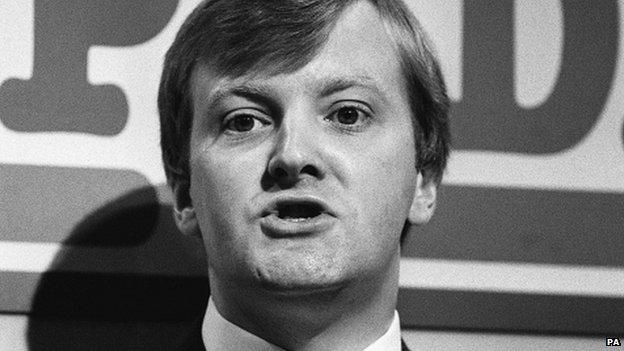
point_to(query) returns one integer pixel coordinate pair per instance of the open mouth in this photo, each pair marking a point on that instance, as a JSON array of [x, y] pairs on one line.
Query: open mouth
[[296, 217], [298, 211]]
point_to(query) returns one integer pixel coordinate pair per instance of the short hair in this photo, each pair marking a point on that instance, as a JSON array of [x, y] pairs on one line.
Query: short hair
[[239, 37]]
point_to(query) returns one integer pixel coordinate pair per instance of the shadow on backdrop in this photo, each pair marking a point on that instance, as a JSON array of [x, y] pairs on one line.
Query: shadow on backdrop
[[102, 292]]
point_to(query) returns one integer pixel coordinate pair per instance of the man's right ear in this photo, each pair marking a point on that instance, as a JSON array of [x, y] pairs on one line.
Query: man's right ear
[[183, 211]]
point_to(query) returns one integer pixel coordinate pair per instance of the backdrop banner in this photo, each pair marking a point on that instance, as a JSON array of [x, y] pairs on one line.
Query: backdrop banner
[[528, 231]]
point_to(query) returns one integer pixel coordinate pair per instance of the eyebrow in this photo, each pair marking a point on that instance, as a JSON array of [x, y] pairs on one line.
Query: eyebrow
[[262, 93], [337, 84], [254, 92], [251, 91]]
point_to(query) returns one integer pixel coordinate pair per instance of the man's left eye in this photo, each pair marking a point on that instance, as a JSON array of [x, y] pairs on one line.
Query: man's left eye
[[349, 116]]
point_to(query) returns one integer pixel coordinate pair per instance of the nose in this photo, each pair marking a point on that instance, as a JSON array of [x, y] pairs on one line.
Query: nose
[[296, 152]]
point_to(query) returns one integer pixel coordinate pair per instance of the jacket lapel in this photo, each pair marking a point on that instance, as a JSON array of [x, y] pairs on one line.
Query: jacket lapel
[[194, 341]]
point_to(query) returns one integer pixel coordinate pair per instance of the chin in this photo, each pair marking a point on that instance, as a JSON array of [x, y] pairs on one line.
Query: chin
[[302, 288], [294, 279]]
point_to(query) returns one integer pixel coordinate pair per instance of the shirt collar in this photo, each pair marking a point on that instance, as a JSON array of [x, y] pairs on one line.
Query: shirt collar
[[220, 334], [391, 340]]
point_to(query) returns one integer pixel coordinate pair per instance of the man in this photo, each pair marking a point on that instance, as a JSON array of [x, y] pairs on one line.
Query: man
[[301, 138]]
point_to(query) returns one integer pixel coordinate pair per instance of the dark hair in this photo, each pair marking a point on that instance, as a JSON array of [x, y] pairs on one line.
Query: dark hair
[[237, 37]]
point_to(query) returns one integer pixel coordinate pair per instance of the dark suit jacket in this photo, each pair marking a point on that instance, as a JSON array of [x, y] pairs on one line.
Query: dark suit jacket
[[194, 341]]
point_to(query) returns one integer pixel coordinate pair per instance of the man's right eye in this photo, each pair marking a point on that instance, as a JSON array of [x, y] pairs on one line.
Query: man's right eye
[[244, 123]]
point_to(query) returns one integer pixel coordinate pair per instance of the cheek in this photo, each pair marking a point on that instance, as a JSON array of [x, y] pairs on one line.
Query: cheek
[[386, 182], [219, 191], [219, 179], [389, 167]]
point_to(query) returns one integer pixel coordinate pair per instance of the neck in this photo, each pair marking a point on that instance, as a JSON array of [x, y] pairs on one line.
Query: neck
[[346, 318]]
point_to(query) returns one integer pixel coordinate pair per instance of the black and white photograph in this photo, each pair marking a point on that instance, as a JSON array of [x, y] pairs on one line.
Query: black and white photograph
[[311, 175]]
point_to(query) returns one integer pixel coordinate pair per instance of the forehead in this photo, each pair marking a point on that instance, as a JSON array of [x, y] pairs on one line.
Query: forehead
[[358, 49], [359, 41]]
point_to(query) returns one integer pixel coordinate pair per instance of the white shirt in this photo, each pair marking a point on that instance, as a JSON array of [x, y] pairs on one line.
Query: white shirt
[[218, 334]]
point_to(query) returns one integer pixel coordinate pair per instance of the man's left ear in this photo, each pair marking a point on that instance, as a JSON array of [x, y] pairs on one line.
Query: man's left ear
[[424, 202]]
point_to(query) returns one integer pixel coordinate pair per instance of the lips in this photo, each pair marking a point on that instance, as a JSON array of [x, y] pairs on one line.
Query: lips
[[291, 216]]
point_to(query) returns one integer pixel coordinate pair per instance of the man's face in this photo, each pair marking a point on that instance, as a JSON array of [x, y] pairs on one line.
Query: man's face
[[303, 181]]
